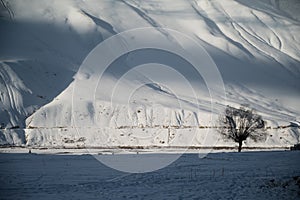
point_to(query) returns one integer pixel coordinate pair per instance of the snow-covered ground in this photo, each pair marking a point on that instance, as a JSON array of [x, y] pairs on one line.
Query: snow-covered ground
[[255, 46], [248, 175]]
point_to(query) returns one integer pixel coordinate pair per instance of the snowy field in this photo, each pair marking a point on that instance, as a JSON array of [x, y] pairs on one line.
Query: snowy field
[[134, 79], [247, 175]]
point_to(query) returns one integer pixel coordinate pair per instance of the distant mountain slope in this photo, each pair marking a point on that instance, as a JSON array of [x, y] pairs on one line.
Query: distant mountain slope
[[256, 47]]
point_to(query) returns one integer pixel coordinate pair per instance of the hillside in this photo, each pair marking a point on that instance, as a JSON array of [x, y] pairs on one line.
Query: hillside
[[51, 97]]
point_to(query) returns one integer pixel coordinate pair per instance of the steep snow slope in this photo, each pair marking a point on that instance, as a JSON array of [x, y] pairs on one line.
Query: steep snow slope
[[254, 45]]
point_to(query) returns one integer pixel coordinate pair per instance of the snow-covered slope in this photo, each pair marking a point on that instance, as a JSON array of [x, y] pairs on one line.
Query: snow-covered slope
[[254, 45]]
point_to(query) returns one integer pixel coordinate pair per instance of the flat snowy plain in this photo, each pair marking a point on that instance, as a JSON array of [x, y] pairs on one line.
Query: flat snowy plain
[[246, 175]]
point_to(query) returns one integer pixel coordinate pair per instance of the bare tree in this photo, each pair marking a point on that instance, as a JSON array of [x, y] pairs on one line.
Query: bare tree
[[238, 124]]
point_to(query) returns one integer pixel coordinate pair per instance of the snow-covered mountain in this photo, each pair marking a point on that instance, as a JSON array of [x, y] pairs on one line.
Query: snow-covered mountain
[[255, 46]]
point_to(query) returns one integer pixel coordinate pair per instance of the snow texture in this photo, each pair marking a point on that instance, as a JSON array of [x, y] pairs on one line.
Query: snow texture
[[249, 175], [255, 46]]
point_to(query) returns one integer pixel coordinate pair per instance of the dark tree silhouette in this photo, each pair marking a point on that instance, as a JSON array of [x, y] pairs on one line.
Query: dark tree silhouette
[[238, 124]]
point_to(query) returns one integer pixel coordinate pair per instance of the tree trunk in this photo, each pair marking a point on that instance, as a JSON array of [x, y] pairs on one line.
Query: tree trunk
[[240, 145]]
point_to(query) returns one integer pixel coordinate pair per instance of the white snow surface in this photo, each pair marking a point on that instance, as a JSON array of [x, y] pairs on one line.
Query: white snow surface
[[255, 46], [248, 175]]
